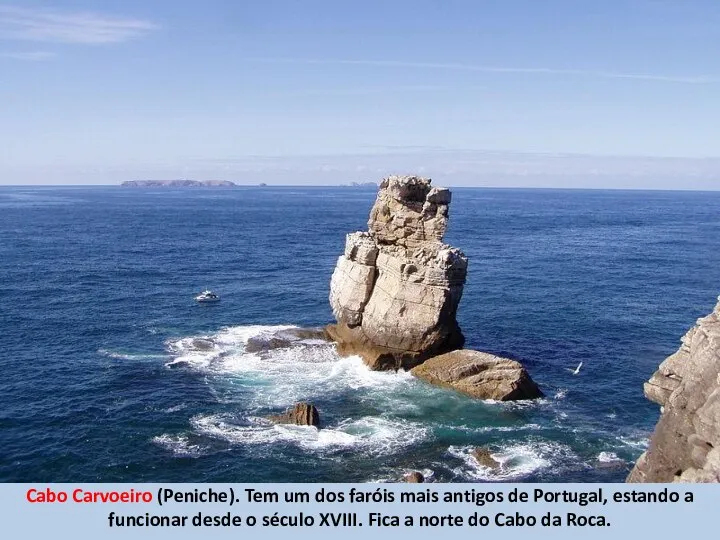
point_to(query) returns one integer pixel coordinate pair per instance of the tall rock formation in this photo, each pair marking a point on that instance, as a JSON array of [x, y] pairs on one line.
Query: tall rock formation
[[685, 446], [396, 289]]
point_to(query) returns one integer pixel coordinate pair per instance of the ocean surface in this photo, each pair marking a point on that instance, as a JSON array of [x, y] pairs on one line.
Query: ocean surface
[[110, 371]]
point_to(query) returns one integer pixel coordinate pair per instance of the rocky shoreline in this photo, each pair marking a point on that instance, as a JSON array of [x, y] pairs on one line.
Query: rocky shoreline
[[685, 446], [395, 292]]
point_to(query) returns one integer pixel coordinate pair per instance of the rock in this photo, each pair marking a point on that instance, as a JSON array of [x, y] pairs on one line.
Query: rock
[[685, 446], [266, 343], [480, 375], [396, 288], [303, 334], [202, 344], [302, 414], [439, 195], [414, 478], [284, 338], [484, 458], [403, 214]]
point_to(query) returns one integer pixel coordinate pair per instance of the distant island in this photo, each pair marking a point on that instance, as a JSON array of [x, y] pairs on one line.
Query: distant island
[[178, 183], [363, 184]]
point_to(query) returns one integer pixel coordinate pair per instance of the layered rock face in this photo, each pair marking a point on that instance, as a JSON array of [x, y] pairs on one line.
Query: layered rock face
[[685, 446], [302, 414], [396, 289]]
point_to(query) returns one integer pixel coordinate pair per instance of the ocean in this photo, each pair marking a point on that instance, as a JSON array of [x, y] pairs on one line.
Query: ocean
[[112, 372]]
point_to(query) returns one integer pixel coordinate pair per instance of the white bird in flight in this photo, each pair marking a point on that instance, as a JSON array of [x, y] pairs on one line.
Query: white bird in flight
[[577, 369]]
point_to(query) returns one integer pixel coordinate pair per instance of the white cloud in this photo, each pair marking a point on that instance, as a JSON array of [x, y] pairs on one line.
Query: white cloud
[[685, 79], [45, 25]]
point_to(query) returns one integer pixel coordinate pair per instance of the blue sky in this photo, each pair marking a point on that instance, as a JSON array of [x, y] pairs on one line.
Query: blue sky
[[574, 93]]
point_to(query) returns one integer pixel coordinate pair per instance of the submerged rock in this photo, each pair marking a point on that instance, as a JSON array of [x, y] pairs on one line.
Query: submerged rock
[[266, 343], [302, 414], [685, 446], [414, 477], [284, 338], [480, 375], [202, 344], [484, 458], [304, 334], [396, 289]]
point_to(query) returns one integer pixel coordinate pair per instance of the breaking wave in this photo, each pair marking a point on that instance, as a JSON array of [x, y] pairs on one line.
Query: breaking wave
[[608, 457], [179, 445], [254, 371], [280, 377], [516, 461], [274, 379], [118, 355], [371, 435]]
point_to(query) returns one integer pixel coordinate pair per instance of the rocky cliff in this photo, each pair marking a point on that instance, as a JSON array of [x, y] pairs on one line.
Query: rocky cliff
[[685, 445], [396, 289]]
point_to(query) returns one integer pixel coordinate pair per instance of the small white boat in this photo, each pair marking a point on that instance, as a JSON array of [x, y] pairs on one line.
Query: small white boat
[[207, 296]]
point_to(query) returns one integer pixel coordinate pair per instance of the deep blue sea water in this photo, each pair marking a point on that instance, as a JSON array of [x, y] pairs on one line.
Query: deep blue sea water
[[102, 377]]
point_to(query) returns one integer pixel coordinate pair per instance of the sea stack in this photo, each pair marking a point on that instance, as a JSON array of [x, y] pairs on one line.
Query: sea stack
[[396, 289], [685, 446]]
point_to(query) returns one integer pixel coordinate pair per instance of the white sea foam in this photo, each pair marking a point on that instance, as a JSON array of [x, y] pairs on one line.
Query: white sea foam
[[179, 445], [175, 408], [281, 377], [117, 355], [639, 443], [517, 460], [198, 351], [608, 457], [492, 429], [275, 379], [523, 404], [372, 435], [561, 394]]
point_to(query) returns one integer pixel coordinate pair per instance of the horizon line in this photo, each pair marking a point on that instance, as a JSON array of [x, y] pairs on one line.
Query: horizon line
[[360, 186]]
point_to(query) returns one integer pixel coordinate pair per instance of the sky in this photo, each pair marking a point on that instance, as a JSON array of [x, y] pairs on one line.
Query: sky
[[505, 93]]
